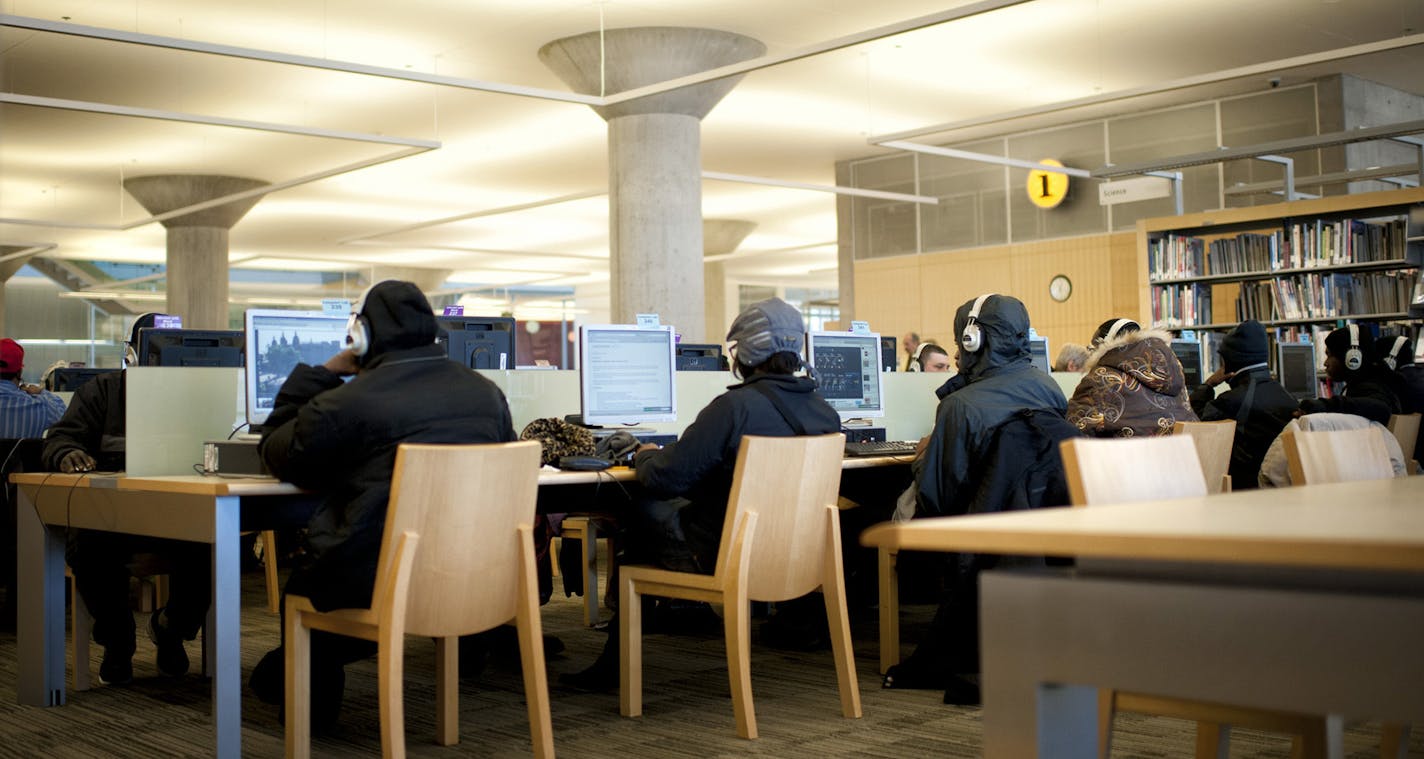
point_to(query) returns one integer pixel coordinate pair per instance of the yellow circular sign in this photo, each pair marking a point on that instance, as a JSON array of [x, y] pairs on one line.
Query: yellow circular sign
[[1046, 189]]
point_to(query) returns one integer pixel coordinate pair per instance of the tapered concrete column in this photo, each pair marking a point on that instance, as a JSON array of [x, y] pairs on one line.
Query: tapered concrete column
[[654, 158], [197, 242], [719, 238]]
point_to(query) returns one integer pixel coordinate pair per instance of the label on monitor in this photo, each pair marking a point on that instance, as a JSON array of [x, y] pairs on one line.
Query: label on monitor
[[166, 321], [648, 321], [335, 306], [860, 327], [455, 311]]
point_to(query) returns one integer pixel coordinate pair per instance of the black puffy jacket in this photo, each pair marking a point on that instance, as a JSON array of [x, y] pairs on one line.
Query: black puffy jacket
[[1271, 410]]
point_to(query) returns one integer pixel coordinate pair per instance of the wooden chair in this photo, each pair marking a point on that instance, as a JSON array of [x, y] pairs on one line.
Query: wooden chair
[[781, 540], [1336, 456], [457, 557], [583, 529], [1214, 441], [1406, 430], [1105, 471]]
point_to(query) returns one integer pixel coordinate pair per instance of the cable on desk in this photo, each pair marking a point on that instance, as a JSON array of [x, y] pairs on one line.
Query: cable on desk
[[235, 430]]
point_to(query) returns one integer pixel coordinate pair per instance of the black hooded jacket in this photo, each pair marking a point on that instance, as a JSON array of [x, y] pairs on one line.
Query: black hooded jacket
[[1368, 393], [341, 439], [1271, 409]]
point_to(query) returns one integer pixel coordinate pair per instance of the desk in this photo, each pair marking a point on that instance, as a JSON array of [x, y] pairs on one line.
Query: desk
[[203, 509], [1307, 599]]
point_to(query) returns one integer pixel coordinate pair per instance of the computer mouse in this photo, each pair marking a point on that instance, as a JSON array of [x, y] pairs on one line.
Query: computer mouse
[[584, 463]]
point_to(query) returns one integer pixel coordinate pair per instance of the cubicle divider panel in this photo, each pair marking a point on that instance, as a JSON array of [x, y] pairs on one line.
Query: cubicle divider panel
[[172, 411]]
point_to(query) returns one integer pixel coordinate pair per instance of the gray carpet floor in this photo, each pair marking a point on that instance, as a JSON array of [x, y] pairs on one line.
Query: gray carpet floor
[[687, 711]]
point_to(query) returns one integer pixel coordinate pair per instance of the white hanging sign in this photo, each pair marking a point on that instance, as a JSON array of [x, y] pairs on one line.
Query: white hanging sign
[[1133, 190]]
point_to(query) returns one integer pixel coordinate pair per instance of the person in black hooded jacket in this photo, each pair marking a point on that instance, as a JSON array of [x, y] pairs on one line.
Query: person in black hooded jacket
[[340, 438], [1406, 379], [1367, 384], [1259, 404]]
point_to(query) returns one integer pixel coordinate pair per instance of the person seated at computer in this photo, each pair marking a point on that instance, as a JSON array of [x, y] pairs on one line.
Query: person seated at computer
[[1071, 358], [993, 447], [911, 343], [90, 436], [1259, 404], [680, 526], [1350, 358], [1407, 379], [340, 438], [930, 358], [25, 410], [1133, 384]]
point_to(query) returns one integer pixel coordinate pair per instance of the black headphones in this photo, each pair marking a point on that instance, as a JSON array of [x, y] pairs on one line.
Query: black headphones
[[1354, 357], [973, 338], [1392, 360]]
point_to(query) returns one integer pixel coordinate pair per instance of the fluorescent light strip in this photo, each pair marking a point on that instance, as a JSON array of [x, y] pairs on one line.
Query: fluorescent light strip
[[477, 214], [1156, 89], [837, 189], [106, 295], [232, 51], [469, 249], [1330, 139], [1399, 171], [986, 158], [738, 254], [126, 282]]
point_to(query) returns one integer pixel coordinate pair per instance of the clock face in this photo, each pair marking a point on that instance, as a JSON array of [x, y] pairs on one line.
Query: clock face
[[1060, 288]]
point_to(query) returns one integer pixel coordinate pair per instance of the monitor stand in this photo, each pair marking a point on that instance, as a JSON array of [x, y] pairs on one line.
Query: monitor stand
[[845, 423]]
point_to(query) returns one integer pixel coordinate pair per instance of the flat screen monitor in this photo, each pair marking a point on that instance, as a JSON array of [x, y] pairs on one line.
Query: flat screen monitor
[[626, 374], [479, 342], [276, 342], [699, 357], [847, 366], [1189, 352], [67, 379], [1038, 351], [889, 354], [190, 347], [1295, 366]]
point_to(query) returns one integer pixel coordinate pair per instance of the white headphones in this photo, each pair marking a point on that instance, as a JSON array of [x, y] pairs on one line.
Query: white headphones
[[1354, 358], [358, 331], [973, 338], [1116, 328], [915, 359], [1392, 360]]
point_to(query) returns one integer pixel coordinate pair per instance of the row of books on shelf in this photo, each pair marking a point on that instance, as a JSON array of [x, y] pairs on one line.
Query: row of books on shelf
[[1303, 245], [1181, 305], [1313, 296]]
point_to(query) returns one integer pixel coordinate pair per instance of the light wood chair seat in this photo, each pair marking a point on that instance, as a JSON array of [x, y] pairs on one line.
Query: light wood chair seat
[[1406, 430], [457, 557], [1214, 442], [780, 540], [1105, 471]]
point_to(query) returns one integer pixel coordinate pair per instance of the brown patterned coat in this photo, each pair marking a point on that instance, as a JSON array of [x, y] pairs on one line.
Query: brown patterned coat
[[1132, 386]]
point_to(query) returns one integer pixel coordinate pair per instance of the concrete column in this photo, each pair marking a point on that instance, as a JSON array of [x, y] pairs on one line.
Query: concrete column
[[7, 270], [654, 159], [197, 242], [720, 237]]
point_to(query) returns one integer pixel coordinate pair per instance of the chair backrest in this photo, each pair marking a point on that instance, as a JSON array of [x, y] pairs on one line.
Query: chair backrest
[[1406, 430], [1322, 457], [1118, 470], [788, 482], [1214, 441], [466, 502]]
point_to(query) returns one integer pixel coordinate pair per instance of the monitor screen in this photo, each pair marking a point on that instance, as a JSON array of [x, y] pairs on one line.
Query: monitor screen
[[67, 379], [1295, 366], [847, 368], [1038, 351], [1190, 354], [889, 354], [279, 340], [626, 374], [699, 357], [479, 342], [189, 347]]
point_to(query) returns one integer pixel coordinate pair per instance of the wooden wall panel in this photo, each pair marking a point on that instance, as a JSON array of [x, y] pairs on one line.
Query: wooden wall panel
[[947, 280], [887, 295]]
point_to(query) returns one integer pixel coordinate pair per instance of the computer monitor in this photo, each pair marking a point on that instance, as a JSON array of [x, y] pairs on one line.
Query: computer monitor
[[67, 379], [1038, 351], [189, 347], [276, 342], [698, 357], [1295, 368], [479, 342], [1189, 352], [626, 374], [889, 354], [847, 366]]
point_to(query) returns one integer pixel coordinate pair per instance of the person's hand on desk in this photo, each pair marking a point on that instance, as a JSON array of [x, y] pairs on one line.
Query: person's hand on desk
[[76, 461], [32, 389], [343, 364]]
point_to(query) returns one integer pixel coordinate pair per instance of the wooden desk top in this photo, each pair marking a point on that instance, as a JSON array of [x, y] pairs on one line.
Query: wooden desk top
[[1359, 525]]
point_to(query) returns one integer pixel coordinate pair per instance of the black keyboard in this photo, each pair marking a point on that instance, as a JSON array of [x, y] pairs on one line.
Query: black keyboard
[[881, 448]]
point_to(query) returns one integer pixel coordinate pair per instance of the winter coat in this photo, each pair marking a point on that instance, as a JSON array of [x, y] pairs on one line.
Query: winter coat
[[1132, 386], [1270, 409], [1367, 393], [93, 423]]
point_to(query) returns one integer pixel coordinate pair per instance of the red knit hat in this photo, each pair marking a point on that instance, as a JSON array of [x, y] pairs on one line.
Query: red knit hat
[[12, 357]]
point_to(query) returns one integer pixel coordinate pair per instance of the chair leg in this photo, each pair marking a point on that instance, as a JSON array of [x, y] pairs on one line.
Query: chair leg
[[736, 621], [889, 610], [298, 686], [269, 564], [447, 690], [531, 654], [83, 628], [838, 616], [1213, 740], [630, 650], [1394, 740], [590, 574], [390, 669], [1107, 710]]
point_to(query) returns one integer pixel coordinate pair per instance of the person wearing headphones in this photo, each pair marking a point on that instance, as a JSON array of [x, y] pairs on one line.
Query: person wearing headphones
[[90, 437], [929, 357], [1350, 358], [339, 439], [1258, 403], [1407, 379], [1133, 384]]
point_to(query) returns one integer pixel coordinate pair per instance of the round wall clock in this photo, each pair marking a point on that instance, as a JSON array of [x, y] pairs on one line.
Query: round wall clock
[[1060, 288]]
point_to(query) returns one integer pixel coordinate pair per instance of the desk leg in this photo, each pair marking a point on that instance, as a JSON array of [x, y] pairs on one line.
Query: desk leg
[[223, 628], [40, 620]]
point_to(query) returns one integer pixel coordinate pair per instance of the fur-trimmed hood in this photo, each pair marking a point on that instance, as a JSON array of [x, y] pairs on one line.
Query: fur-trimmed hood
[[1146, 356]]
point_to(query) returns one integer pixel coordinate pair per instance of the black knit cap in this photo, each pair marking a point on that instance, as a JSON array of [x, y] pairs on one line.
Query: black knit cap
[[1244, 346]]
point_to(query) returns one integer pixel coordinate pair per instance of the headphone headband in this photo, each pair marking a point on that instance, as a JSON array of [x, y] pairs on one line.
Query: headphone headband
[[1115, 328], [1392, 360], [972, 338], [1354, 357]]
